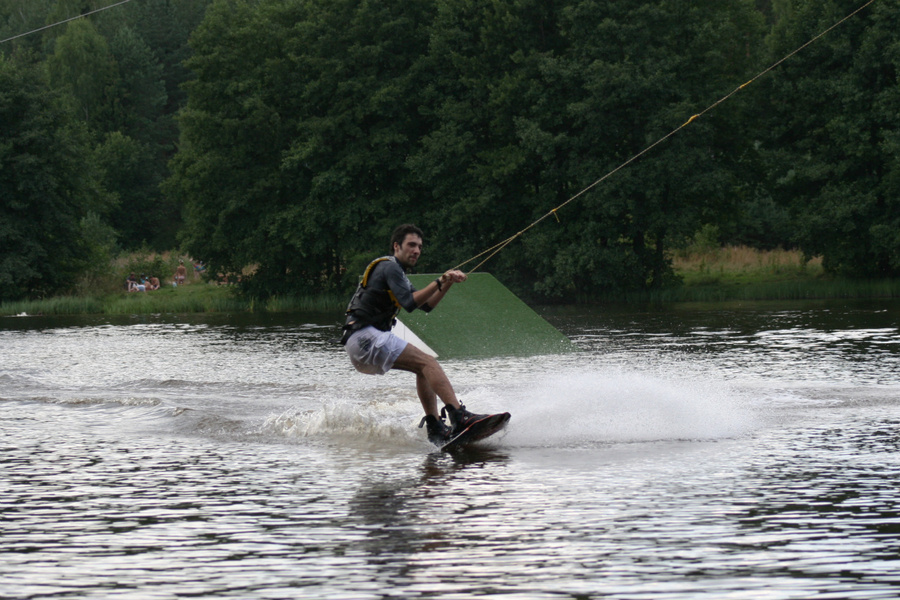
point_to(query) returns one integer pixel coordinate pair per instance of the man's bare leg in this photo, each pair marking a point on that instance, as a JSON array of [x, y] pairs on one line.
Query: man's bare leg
[[430, 379], [426, 396]]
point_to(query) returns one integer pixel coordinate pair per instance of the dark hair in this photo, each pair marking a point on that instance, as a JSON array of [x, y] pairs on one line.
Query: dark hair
[[401, 232]]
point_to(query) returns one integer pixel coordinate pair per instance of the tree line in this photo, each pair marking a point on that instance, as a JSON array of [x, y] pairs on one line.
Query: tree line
[[284, 139], [89, 112]]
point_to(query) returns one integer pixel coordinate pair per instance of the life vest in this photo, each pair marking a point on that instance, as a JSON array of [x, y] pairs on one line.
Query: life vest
[[378, 308]]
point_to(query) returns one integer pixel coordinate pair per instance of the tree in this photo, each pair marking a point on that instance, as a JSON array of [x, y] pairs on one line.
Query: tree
[[833, 126], [164, 26], [160, 28], [297, 140], [18, 17], [134, 170], [544, 98], [46, 186], [83, 66], [140, 91], [295, 136], [311, 130], [138, 214], [496, 146]]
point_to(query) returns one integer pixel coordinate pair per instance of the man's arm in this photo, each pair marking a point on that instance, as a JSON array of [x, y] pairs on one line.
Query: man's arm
[[428, 297]]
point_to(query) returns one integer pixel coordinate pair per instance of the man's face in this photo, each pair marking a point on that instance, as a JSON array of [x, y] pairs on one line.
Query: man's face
[[408, 252]]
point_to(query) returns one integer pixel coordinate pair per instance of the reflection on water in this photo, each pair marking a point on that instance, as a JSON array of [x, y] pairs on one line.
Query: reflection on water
[[742, 453]]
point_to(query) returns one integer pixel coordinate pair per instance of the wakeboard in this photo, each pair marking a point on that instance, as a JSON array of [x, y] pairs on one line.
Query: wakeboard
[[478, 430]]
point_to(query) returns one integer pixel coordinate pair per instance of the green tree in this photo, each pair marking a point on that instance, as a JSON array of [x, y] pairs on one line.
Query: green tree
[[46, 186], [658, 64], [134, 170], [140, 91], [139, 214], [18, 17], [833, 125], [541, 99], [295, 135], [162, 28], [83, 66], [314, 126], [358, 119]]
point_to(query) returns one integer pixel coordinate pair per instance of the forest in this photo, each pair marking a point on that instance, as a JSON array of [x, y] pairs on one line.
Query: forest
[[283, 140]]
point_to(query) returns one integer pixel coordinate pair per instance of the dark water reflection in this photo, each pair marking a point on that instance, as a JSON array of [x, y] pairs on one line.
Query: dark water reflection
[[741, 452]]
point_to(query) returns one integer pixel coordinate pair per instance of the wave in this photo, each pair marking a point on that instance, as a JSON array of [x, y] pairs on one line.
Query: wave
[[91, 401], [376, 422], [610, 406], [565, 409]]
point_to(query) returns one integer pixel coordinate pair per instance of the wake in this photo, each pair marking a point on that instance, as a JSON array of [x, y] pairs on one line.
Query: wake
[[559, 409]]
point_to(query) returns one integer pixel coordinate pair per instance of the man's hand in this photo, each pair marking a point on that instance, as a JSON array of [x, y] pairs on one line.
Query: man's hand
[[453, 276]]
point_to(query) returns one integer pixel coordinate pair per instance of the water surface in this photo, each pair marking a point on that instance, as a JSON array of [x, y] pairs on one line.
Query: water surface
[[741, 451]]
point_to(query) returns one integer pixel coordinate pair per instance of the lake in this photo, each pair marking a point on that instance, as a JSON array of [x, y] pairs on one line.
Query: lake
[[722, 451]]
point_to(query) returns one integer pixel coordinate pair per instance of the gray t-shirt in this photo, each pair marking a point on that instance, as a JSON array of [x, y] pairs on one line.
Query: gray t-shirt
[[389, 275]]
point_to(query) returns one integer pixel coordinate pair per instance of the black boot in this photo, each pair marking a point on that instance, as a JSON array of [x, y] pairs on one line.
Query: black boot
[[459, 418], [438, 432]]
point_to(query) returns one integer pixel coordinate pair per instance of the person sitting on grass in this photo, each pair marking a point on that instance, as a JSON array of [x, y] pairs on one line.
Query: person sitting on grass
[[199, 268], [135, 284]]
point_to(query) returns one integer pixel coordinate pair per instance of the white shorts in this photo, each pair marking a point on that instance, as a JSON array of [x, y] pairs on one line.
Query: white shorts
[[373, 351]]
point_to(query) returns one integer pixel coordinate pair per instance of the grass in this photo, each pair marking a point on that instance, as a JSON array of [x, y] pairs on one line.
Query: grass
[[199, 297], [742, 273], [185, 299], [775, 290], [736, 265], [710, 275]]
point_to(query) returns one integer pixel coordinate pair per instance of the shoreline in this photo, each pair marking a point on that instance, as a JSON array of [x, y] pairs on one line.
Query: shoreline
[[210, 298]]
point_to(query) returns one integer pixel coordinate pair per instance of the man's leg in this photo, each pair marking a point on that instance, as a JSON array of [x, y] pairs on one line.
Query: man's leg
[[430, 379], [426, 396]]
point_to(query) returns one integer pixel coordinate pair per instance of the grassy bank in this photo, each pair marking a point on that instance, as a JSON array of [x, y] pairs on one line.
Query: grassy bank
[[102, 292], [198, 297], [797, 289], [741, 273], [726, 274], [740, 265]]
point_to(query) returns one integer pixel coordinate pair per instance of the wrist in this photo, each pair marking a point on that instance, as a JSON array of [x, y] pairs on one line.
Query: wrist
[[439, 284]]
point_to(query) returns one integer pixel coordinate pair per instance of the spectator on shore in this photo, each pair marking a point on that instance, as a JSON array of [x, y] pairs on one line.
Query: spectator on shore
[[153, 283], [135, 284], [180, 273], [199, 268]]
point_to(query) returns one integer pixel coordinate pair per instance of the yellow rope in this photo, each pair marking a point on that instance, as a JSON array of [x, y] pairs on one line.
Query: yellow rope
[[493, 250]]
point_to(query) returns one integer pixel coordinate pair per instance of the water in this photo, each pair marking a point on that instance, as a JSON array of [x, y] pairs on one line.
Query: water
[[726, 452]]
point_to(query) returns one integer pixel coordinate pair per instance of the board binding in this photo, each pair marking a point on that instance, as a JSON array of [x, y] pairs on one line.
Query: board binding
[[479, 430]]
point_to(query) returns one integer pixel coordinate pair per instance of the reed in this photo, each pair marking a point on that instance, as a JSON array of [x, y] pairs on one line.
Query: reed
[[740, 273], [744, 265], [319, 303], [65, 305], [198, 298], [775, 290], [185, 299], [192, 298]]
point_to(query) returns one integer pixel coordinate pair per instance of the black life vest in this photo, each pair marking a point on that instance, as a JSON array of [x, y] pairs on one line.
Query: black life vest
[[378, 308]]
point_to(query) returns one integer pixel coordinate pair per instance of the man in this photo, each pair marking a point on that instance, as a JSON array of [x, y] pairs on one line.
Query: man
[[180, 273], [373, 349]]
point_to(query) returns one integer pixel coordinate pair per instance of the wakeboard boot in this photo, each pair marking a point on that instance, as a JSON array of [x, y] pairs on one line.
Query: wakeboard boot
[[459, 418], [437, 430]]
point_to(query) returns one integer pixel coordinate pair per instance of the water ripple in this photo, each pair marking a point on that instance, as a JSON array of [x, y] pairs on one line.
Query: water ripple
[[673, 457]]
